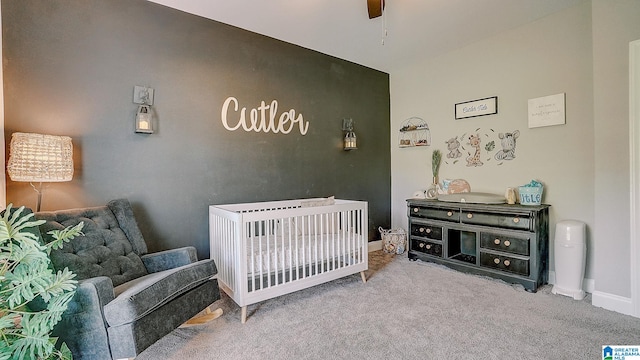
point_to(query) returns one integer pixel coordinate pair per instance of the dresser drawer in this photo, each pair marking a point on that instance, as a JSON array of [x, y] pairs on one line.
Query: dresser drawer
[[505, 263], [504, 243], [508, 221], [436, 214], [428, 231], [427, 247]]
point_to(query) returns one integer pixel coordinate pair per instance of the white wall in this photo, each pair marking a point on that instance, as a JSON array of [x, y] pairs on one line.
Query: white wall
[[615, 24], [550, 56]]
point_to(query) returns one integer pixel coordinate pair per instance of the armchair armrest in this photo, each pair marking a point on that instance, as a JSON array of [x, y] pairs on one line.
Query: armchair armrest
[[169, 259], [83, 327]]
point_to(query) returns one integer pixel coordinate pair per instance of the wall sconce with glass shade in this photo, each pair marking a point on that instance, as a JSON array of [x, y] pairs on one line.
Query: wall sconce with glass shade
[[350, 135], [144, 116], [38, 158]]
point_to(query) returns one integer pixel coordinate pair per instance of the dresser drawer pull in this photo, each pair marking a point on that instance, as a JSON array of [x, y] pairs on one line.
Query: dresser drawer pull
[[496, 241], [449, 213], [507, 243], [516, 220], [421, 230], [429, 231], [469, 216], [496, 261], [416, 210], [428, 246], [421, 245], [507, 263]]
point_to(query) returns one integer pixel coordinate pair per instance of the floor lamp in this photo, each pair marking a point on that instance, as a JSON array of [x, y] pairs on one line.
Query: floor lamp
[[38, 158]]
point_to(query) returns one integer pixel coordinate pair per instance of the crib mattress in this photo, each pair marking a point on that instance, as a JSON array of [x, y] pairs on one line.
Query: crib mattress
[[268, 254]]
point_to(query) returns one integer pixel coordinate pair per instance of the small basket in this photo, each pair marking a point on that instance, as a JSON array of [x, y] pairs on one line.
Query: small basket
[[530, 195], [393, 240]]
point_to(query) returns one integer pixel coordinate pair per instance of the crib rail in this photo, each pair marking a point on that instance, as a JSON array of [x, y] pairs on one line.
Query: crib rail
[[263, 250]]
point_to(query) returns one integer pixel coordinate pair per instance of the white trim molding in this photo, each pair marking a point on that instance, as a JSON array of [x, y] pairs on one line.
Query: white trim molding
[[375, 245], [634, 159], [612, 302]]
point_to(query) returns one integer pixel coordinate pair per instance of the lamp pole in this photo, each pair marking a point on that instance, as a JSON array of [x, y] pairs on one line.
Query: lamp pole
[[39, 191]]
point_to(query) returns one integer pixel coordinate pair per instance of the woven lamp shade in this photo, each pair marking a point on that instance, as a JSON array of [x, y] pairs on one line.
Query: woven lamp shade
[[40, 158]]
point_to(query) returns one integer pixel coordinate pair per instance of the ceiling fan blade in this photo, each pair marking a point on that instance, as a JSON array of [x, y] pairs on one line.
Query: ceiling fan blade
[[375, 8]]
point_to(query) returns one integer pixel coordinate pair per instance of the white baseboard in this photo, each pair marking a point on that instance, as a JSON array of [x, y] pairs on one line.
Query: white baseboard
[[612, 302], [375, 245], [601, 299], [588, 285]]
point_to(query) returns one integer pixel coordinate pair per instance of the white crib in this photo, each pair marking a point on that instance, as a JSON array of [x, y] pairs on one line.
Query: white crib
[[267, 249]]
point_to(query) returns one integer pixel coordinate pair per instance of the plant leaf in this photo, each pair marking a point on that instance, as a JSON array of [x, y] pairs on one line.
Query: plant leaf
[[5, 350], [28, 280], [57, 307], [12, 224], [64, 235], [6, 321], [65, 353], [35, 343]]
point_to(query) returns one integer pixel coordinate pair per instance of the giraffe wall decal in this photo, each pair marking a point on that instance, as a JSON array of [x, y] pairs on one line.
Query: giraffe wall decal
[[474, 160]]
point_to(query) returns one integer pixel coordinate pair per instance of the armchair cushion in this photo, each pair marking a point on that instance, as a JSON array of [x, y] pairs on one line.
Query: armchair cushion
[[139, 297], [169, 259], [105, 249]]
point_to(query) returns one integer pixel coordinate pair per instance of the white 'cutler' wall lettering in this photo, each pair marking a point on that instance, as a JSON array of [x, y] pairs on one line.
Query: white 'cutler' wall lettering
[[262, 118]]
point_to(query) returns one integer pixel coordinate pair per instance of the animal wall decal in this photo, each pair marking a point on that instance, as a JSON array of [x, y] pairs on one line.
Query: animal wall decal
[[476, 153], [453, 145], [508, 142], [474, 160]]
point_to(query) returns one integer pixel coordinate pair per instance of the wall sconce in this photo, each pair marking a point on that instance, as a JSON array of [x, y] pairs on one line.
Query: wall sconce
[[40, 158], [144, 116], [350, 136]]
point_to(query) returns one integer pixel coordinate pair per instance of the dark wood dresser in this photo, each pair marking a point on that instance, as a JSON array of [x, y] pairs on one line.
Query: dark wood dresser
[[507, 242]]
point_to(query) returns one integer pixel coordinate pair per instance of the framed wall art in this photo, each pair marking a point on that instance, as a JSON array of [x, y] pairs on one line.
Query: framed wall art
[[480, 107], [547, 111]]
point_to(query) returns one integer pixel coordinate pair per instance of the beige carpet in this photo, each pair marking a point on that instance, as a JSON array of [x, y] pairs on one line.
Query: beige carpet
[[406, 310]]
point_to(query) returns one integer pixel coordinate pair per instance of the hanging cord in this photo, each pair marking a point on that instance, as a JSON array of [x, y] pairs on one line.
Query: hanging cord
[[384, 21]]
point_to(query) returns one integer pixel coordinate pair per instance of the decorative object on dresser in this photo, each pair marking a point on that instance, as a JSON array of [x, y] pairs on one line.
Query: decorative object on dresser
[[507, 242], [436, 158], [267, 249]]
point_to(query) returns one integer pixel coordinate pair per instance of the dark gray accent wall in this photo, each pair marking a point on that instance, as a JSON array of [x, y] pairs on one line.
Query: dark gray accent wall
[[70, 67]]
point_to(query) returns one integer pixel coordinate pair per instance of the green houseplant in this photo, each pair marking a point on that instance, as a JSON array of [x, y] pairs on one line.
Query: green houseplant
[[32, 296]]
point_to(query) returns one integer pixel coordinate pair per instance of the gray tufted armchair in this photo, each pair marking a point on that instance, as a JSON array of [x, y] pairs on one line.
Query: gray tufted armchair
[[126, 298]]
